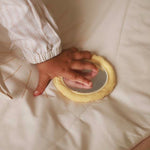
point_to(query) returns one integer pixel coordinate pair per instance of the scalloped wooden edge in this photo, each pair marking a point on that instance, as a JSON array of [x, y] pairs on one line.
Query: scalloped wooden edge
[[89, 97]]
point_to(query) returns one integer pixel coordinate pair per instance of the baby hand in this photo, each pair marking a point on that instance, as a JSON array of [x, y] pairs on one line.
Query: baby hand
[[69, 65]]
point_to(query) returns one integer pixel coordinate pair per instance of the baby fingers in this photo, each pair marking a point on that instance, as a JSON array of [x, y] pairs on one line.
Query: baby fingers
[[75, 76], [84, 65]]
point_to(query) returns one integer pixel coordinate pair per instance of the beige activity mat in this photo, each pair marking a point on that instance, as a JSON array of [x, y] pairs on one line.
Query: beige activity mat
[[118, 30]]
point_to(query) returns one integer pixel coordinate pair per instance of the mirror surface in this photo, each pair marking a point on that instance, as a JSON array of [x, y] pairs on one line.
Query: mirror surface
[[98, 82]]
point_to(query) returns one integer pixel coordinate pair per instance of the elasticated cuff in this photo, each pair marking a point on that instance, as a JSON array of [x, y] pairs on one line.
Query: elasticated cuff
[[38, 57]]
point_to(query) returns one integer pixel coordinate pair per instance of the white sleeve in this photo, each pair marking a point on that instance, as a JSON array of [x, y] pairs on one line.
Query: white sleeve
[[31, 28]]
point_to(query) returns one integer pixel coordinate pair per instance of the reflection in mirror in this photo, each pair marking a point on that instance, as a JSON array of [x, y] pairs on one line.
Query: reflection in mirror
[[98, 82]]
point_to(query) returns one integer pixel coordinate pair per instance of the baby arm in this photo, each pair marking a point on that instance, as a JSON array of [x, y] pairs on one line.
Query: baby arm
[[33, 30]]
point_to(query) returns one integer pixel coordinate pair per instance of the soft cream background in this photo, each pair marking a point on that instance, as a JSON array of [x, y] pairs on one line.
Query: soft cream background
[[117, 30]]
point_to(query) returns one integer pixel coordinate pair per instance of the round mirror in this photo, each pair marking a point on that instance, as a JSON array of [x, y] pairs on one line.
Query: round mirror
[[103, 83], [98, 82]]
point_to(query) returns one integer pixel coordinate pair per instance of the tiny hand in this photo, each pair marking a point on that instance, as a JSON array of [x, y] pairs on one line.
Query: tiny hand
[[68, 64]]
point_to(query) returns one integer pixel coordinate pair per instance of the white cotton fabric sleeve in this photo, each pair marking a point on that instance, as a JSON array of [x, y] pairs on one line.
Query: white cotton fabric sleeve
[[31, 28]]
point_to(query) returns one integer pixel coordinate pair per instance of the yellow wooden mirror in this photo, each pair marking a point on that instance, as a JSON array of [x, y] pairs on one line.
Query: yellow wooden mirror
[[103, 83]]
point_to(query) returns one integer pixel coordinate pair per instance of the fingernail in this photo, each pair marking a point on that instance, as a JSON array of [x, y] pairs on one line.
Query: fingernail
[[88, 84], [36, 93]]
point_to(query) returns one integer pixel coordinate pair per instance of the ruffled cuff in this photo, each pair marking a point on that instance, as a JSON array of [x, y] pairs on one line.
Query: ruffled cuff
[[40, 56]]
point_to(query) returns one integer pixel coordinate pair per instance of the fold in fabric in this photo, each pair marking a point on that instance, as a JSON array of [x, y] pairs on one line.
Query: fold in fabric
[[3, 88]]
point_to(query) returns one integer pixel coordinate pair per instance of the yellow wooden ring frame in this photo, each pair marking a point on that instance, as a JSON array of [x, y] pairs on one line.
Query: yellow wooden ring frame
[[92, 96]]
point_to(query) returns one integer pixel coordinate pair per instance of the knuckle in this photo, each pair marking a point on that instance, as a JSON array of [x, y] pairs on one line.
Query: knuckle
[[88, 54], [67, 61], [73, 64], [77, 54]]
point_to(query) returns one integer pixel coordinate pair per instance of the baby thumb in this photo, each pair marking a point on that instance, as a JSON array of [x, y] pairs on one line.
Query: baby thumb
[[42, 84]]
